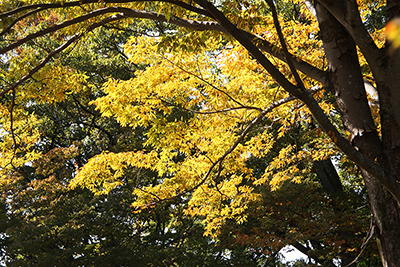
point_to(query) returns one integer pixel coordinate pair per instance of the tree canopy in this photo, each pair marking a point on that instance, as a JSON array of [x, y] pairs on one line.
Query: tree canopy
[[265, 123]]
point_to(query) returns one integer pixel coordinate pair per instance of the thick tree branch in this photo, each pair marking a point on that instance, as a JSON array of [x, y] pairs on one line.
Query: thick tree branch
[[346, 12], [55, 28], [264, 45], [306, 251], [309, 70], [9, 27], [187, 23]]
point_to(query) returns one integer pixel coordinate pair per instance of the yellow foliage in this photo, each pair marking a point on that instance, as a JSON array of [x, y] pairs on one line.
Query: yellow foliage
[[17, 142]]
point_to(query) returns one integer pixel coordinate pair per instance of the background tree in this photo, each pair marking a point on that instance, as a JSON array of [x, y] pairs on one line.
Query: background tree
[[233, 67]]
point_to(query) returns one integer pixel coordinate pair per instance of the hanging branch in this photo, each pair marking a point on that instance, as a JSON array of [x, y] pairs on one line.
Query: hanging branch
[[12, 120]]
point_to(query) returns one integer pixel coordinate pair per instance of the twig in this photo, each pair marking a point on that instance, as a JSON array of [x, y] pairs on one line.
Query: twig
[[210, 112], [12, 121], [370, 234]]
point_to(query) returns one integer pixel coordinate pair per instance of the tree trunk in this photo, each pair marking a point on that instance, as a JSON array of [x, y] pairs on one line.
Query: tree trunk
[[328, 176], [386, 216], [346, 83], [385, 209]]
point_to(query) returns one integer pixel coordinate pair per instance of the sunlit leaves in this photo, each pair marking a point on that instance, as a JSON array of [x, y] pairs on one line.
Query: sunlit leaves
[[104, 172], [17, 145], [54, 82]]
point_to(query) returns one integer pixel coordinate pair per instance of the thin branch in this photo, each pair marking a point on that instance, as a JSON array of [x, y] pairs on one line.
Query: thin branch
[[266, 127], [370, 234], [206, 82], [12, 120], [288, 56], [209, 112], [83, 107], [281, 102], [93, 122], [152, 194]]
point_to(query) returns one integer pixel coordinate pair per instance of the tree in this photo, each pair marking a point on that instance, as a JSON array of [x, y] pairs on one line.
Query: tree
[[238, 68]]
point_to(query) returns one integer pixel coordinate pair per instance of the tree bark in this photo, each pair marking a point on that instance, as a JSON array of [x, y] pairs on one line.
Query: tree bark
[[385, 210], [347, 85], [328, 176]]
